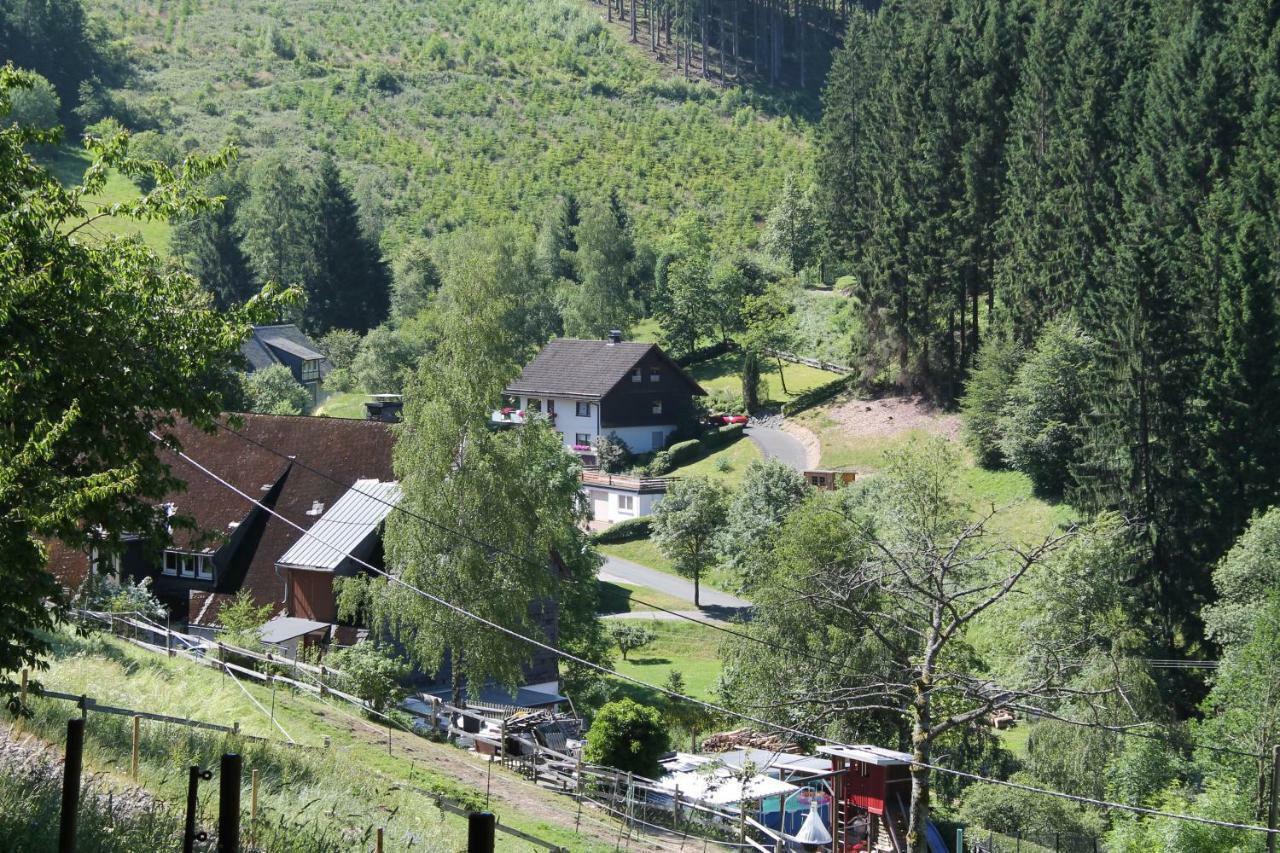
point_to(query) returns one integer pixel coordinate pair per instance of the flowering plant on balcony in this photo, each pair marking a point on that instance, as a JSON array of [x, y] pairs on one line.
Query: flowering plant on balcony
[[506, 410], [582, 448]]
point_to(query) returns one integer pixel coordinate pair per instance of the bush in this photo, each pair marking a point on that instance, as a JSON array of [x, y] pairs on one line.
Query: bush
[[628, 736], [629, 637], [274, 391], [340, 346], [612, 453], [371, 672], [814, 396], [660, 465], [625, 531], [684, 452], [36, 107], [706, 353]]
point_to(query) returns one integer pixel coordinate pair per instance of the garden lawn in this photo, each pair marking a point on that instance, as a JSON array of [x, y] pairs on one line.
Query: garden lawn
[[691, 648], [722, 374], [344, 404], [643, 551], [68, 164], [728, 464]]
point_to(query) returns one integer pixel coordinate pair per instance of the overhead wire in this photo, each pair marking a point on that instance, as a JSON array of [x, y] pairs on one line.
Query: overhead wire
[[708, 705], [713, 625]]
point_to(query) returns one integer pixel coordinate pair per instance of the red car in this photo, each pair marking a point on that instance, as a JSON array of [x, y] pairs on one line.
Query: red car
[[725, 420]]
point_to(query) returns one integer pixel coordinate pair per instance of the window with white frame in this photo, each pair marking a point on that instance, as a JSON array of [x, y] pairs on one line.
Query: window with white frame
[[627, 503], [551, 407], [657, 407], [534, 405], [310, 369], [182, 564], [583, 409], [582, 439]]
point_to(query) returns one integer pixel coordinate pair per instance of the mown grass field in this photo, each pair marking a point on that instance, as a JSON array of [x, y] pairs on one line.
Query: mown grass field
[[721, 374], [692, 649], [445, 113], [619, 597], [68, 165], [338, 792]]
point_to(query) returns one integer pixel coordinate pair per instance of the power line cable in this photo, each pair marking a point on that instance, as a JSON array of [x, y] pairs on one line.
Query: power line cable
[[489, 546], [710, 705]]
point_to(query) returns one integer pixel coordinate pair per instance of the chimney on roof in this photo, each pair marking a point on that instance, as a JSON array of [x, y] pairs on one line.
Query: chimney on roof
[[615, 336]]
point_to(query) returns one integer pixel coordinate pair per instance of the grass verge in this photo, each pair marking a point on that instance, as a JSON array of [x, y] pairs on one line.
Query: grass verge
[[690, 648]]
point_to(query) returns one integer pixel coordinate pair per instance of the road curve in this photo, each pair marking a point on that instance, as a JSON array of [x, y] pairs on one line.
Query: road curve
[[713, 600], [776, 444]]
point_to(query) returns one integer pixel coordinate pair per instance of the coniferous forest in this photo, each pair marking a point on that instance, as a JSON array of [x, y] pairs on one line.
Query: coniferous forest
[[1087, 190]]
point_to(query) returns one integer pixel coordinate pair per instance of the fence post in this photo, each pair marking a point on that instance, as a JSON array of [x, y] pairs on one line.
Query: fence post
[[577, 822], [959, 839], [133, 758], [1275, 799], [480, 832], [378, 841], [324, 689], [229, 803], [71, 786], [189, 834], [433, 716]]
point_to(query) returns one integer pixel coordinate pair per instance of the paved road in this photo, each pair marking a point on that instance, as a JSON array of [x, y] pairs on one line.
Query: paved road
[[776, 444], [714, 602]]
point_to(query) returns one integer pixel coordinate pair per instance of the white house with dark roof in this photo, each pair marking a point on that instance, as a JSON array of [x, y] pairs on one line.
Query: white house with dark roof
[[630, 390], [286, 344]]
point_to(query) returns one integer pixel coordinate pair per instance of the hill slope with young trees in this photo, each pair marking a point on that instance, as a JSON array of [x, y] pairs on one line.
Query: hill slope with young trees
[[444, 113]]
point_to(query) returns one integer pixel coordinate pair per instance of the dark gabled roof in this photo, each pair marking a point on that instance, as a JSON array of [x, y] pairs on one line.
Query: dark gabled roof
[[569, 367], [346, 450], [286, 337]]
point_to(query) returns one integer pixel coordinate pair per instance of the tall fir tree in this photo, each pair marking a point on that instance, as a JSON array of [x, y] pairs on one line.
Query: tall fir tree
[[348, 286], [209, 243]]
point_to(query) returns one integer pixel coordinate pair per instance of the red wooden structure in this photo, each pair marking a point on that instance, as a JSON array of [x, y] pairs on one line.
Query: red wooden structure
[[870, 795]]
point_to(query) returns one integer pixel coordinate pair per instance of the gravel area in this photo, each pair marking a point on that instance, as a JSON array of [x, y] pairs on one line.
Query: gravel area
[[890, 416]]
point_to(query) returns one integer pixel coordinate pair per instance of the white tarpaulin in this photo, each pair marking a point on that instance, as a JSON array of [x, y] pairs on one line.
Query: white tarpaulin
[[706, 781]]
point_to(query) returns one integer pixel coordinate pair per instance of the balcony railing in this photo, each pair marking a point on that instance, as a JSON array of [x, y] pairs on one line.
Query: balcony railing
[[519, 416], [626, 481]]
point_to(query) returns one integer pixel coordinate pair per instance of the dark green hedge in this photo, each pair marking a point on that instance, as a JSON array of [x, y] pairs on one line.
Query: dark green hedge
[[705, 353], [814, 396], [727, 434], [684, 452], [625, 530]]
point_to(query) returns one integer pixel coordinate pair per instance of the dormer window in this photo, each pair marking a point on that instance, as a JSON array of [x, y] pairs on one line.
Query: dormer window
[[311, 370], [183, 564], [657, 407], [637, 374]]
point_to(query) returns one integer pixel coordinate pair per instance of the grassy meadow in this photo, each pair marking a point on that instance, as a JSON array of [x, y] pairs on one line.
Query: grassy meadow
[[68, 166]]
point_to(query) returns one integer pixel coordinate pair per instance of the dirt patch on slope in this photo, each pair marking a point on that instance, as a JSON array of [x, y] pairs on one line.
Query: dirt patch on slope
[[891, 416]]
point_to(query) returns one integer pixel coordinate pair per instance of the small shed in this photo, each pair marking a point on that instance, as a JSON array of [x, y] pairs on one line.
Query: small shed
[[875, 779], [830, 478]]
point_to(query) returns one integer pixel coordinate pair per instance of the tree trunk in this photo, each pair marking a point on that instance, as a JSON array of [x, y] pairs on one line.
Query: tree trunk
[[702, 20], [696, 590], [782, 377], [633, 21], [921, 743]]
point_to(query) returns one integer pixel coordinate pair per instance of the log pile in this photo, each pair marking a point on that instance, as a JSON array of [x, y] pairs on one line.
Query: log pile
[[748, 739]]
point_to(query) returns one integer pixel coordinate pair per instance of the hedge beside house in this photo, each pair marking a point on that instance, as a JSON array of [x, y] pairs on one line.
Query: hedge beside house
[[625, 531], [727, 434], [814, 396]]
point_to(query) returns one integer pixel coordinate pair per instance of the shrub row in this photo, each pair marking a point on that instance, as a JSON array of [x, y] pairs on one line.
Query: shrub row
[[706, 353], [625, 530], [727, 434], [814, 396]]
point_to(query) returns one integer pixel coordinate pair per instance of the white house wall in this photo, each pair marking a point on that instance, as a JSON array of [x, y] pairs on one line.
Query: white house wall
[[606, 503], [640, 439], [567, 422]]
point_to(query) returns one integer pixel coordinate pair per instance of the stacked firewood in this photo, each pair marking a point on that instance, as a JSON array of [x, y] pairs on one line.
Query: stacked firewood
[[748, 739]]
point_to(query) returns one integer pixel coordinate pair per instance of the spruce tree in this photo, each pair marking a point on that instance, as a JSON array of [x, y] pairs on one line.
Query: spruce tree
[[209, 244], [348, 286]]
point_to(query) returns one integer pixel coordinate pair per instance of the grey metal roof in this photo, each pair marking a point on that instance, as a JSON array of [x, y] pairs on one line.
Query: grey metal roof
[[568, 367], [493, 696], [344, 526], [284, 628], [765, 760], [285, 337], [868, 754]]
